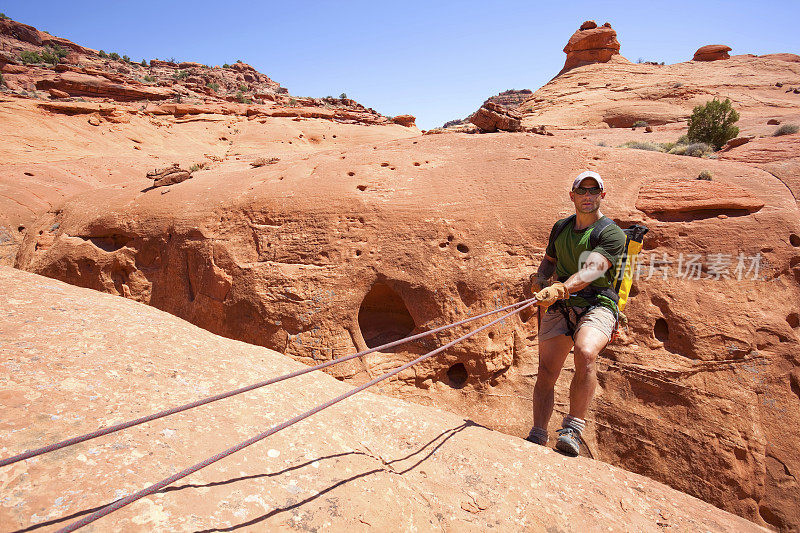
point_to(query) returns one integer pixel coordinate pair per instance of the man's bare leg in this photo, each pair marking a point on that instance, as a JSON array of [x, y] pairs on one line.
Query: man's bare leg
[[552, 354], [589, 342]]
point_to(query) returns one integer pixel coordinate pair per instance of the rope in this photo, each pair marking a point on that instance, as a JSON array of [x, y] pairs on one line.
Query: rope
[[152, 489], [124, 425]]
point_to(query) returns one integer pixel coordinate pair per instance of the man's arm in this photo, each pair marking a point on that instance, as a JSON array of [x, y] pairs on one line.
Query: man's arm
[[595, 266], [546, 270]]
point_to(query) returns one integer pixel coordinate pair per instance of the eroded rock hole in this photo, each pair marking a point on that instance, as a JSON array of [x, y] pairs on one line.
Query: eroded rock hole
[[383, 316], [794, 240], [463, 248], [361, 187], [110, 243], [794, 320], [661, 330], [457, 375]]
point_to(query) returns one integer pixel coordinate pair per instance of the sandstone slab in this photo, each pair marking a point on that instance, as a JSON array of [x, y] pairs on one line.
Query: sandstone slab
[[72, 359], [688, 195]]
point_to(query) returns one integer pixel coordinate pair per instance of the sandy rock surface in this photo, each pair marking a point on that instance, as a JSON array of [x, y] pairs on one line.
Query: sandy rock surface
[[325, 254], [53, 150], [75, 359]]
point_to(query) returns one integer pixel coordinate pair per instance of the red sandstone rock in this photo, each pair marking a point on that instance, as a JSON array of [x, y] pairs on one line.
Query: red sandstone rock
[[169, 176], [157, 63], [405, 120], [686, 196], [55, 93], [77, 108], [22, 32], [14, 69], [734, 143], [309, 276], [591, 45], [712, 52], [492, 117], [85, 85], [589, 25], [372, 460]]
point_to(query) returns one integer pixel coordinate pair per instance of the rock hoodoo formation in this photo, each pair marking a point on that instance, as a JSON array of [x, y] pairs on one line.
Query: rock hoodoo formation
[[712, 52], [591, 44]]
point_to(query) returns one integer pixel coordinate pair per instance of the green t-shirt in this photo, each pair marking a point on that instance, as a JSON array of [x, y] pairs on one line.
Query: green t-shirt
[[570, 244]]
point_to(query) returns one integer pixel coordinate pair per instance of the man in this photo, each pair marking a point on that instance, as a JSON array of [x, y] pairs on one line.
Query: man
[[578, 311]]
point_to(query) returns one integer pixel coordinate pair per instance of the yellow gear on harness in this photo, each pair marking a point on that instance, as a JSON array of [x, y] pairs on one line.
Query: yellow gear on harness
[[627, 268]]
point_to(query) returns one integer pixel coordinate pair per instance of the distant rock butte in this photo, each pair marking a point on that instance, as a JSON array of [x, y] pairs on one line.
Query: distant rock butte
[[712, 52], [84, 358]]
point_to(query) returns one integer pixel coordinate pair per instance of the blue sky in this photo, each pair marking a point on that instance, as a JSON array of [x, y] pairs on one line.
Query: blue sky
[[435, 60]]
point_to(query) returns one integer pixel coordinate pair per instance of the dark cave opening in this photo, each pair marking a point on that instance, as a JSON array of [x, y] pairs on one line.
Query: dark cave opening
[[383, 316]]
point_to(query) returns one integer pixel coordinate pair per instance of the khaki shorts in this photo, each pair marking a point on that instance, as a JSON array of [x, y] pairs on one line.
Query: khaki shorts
[[554, 324]]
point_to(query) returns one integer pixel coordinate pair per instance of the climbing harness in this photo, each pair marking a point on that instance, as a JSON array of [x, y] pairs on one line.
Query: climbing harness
[[118, 504]]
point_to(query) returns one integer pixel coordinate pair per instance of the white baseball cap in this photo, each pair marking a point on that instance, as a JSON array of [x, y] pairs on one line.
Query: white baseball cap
[[588, 174]]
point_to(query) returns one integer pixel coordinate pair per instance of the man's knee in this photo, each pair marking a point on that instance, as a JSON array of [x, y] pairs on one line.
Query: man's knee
[[585, 358]]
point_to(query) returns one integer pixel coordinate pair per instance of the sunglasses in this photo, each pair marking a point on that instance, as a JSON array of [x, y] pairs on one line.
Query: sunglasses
[[591, 190]]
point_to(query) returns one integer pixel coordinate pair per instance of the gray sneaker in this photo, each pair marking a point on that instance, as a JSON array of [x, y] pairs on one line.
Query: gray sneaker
[[569, 441], [533, 437]]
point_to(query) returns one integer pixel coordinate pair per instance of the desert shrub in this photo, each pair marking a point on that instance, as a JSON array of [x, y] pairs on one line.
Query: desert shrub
[[242, 99], [3, 16], [126, 58], [640, 124], [677, 85], [683, 139], [698, 150], [28, 57], [649, 146], [102, 53], [54, 55], [226, 66], [2, 80], [114, 56], [149, 79], [786, 129], [343, 96], [713, 123], [239, 61], [292, 102], [601, 143], [678, 149], [243, 87], [196, 167], [704, 175], [214, 86], [181, 75], [143, 63]]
